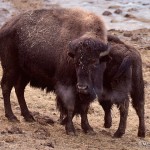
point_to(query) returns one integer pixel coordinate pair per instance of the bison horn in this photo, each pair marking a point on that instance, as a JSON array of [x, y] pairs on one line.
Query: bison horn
[[104, 53]]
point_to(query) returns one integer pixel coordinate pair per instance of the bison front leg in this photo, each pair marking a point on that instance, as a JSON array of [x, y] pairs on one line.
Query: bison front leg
[[67, 95], [123, 107], [19, 89], [70, 130], [84, 120], [106, 105]]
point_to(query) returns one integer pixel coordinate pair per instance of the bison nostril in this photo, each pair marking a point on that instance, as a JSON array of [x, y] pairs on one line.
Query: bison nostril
[[82, 87]]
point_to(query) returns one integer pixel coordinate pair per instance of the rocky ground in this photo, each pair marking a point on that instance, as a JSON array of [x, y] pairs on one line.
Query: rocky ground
[[45, 134]]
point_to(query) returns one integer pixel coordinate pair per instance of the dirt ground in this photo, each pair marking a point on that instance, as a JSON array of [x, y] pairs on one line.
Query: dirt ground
[[45, 134]]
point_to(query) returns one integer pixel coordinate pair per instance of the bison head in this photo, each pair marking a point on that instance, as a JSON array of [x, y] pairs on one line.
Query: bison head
[[90, 56]]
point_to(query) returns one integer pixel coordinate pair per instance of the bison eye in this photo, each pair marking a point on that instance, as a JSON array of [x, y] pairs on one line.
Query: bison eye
[[94, 62], [71, 54]]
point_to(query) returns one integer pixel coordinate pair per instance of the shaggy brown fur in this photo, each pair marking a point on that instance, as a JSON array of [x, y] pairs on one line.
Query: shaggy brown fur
[[122, 77], [34, 48]]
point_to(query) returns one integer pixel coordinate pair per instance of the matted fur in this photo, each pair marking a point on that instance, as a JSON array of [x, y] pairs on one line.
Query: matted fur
[[34, 49], [122, 77]]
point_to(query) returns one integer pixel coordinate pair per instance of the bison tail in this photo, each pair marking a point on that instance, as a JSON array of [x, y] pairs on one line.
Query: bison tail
[[137, 92]]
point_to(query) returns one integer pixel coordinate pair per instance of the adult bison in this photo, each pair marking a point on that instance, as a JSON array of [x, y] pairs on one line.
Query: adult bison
[[58, 49], [122, 77]]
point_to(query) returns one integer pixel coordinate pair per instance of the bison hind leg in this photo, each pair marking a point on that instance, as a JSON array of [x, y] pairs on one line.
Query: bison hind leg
[[140, 112], [19, 89], [7, 84], [123, 107]]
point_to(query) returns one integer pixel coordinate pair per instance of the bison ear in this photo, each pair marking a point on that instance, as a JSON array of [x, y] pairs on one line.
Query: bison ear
[[72, 48]]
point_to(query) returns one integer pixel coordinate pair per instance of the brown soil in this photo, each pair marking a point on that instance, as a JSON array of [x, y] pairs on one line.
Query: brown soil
[[45, 135]]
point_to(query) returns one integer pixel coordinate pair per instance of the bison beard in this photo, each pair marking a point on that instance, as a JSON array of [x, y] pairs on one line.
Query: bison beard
[[122, 77], [35, 49]]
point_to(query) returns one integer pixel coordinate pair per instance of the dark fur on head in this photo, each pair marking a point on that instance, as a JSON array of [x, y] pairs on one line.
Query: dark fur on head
[[122, 77], [86, 43]]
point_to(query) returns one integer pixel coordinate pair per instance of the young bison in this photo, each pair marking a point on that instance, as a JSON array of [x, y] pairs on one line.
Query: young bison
[[123, 76], [57, 49]]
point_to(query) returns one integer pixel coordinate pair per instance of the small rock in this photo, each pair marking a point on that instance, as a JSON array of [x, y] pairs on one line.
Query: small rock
[[118, 11], [144, 4], [3, 132], [44, 120], [114, 7], [9, 139], [50, 144], [127, 34], [41, 133], [129, 16], [41, 121], [4, 10], [91, 2], [14, 130], [107, 13], [113, 21], [135, 38], [132, 9], [147, 47]]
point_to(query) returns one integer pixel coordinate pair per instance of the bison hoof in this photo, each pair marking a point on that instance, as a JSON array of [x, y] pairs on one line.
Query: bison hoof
[[70, 130], [29, 118], [63, 121], [141, 134], [12, 118], [72, 133], [118, 134], [90, 132]]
